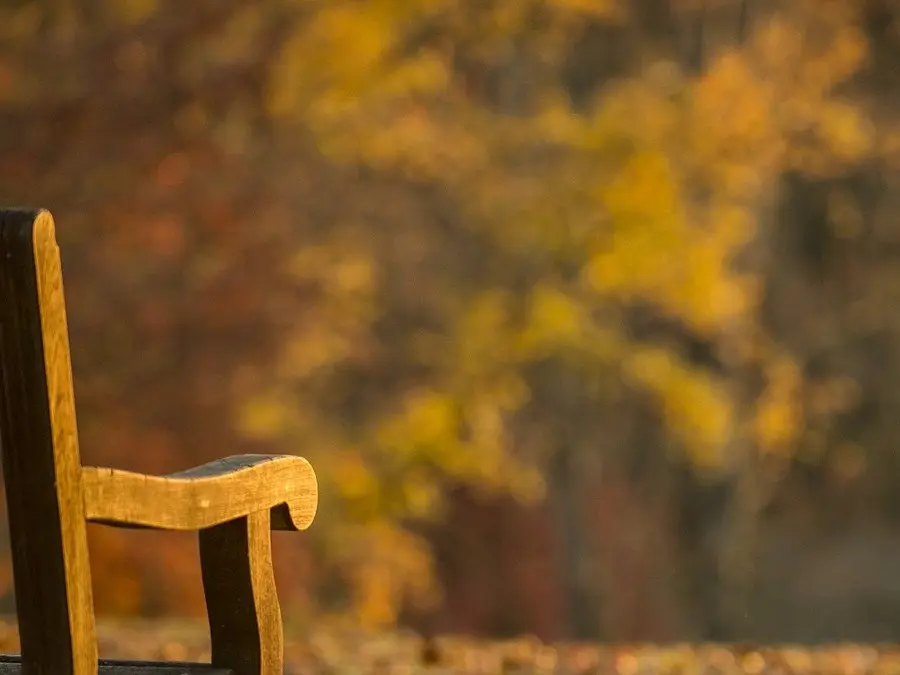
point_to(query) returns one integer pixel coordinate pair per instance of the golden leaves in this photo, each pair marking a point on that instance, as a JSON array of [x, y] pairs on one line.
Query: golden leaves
[[263, 417], [351, 475], [551, 220], [734, 140], [845, 132], [695, 404], [779, 412], [310, 81], [426, 421], [656, 254], [556, 322]]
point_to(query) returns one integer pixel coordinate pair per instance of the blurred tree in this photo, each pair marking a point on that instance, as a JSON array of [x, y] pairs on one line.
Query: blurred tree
[[430, 243], [634, 202]]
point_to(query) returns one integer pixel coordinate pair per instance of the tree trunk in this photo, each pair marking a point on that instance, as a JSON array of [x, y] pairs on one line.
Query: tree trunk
[[582, 609]]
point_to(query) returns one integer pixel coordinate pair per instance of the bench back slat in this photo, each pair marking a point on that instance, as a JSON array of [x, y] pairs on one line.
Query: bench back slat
[[41, 461]]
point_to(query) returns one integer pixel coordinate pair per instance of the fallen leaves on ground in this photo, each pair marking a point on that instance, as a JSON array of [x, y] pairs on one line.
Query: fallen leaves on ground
[[348, 652]]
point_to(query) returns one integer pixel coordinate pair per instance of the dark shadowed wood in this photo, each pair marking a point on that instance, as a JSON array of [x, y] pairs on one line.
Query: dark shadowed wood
[[12, 665], [41, 464], [206, 495], [234, 502], [241, 602]]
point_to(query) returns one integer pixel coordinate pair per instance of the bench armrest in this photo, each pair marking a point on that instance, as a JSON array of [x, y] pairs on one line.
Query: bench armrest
[[205, 496]]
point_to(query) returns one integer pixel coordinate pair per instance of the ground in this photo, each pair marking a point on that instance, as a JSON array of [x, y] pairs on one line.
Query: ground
[[337, 653]]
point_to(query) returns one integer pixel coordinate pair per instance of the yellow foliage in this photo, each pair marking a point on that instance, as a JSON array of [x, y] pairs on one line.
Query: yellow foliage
[[361, 32], [429, 417], [646, 195], [352, 477], [421, 496], [779, 414], [645, 192], [656, 255], [556, 320], [696, 406], [376, 603], [386, 559], [263, 417], [311, 350], [479, 236], [845, 131], [734, 137], [528, 486]]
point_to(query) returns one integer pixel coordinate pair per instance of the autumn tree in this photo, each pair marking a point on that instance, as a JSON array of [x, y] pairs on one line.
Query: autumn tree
[[425, 244]]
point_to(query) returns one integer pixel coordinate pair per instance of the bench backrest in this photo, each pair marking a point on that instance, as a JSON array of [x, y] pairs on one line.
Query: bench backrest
[[41, 460]]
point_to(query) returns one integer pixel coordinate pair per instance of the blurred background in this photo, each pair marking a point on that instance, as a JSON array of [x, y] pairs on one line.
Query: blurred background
[[581, 309]]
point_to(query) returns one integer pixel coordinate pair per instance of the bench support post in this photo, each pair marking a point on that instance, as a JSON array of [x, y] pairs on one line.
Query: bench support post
[[245, 625]]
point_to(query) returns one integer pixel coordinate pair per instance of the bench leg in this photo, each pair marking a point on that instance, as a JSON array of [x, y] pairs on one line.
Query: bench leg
[[245, 626]]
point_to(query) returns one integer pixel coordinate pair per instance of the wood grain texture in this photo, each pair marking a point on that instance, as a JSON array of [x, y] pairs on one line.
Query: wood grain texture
[[245, 626], [12, 665], [42, 469], [205, 496]]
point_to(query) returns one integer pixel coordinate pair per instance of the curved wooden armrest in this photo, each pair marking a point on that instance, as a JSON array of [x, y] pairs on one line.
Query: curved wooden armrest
[[205, 496]]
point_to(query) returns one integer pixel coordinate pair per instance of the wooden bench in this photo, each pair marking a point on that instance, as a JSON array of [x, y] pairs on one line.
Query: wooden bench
[[234, 503]]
